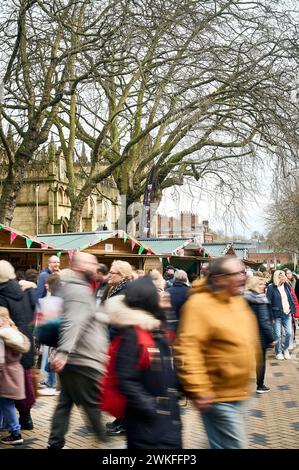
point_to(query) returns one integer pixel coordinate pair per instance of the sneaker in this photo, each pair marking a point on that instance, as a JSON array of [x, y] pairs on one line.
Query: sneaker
[[13, 439], [280, 356], [47, 392], [117, 431], [114, 424], [286, 354], [263, 389]]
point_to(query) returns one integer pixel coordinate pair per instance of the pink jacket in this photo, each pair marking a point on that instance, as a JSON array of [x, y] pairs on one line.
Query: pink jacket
[[12, 382], [296, 314]]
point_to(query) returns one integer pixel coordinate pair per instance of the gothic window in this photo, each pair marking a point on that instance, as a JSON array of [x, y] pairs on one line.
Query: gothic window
[[60, 196]]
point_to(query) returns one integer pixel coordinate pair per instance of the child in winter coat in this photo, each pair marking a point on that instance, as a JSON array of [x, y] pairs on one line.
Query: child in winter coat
[[12, 386]]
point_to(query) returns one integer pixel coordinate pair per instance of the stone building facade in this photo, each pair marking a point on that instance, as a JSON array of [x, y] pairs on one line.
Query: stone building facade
[[43, 204]]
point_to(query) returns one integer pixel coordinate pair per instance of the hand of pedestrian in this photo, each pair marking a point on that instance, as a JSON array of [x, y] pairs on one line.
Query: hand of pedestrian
[[202, 404], [271, 345], [58, 364]]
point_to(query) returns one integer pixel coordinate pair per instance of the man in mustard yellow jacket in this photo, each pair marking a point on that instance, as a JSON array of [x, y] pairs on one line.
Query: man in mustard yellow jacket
[[216, 350]]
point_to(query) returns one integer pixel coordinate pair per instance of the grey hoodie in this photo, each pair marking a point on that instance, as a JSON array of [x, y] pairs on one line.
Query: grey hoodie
[[83, 337]]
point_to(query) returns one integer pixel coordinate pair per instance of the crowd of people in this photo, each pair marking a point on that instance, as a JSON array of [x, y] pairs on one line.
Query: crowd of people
[[133, 344]]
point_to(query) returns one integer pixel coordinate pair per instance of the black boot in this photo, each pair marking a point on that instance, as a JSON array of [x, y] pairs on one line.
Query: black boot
[[25, 421]]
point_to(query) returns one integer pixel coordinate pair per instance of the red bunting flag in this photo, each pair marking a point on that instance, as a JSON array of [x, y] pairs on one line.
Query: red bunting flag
[[44, 245], [13, 236], [132, 244], [70, 253]]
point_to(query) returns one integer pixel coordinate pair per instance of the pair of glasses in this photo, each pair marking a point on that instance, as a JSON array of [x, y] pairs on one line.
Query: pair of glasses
[[112, 272], [237, 273]]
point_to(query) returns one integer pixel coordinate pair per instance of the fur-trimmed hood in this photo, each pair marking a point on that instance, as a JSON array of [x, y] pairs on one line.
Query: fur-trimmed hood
[[121, 315], [27, 284]]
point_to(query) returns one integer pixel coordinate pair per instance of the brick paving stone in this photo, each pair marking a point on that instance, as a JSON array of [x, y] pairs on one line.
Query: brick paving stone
[[283, 387], [256, 413], [291, 404], [258, 439]]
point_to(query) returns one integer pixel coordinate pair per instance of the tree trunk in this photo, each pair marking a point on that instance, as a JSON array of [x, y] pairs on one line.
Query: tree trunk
[[10, 190], [78, 206]]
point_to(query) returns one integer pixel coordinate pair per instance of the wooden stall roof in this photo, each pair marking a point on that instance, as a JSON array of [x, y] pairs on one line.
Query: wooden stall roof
[[96, 242], [212, 250], [14, 240], [166, 246]]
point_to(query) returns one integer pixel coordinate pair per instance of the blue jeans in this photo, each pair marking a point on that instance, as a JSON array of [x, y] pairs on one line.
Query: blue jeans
[[225, 425], [286, 322], [50, 381], [8, 410]]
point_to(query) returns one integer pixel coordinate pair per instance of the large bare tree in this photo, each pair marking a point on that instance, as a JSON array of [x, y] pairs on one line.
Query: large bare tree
[[41, 42], [201, 88], [283, 216]]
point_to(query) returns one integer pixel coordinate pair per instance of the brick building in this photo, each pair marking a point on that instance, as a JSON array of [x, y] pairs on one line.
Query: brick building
[[269, 257]]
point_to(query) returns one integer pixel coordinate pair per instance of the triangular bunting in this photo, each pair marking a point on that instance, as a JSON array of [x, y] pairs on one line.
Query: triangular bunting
[[44, 245], [125, 237], [58, 254], [132, 244], [29, 242], [1, 227], [141, 249], [70, 253], [13, 236]]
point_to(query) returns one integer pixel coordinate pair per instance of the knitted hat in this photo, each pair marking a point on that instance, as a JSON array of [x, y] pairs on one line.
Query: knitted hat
[[7, 271]]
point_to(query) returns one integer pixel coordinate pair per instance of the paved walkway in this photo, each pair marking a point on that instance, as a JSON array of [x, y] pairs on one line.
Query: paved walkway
[[273, 418]]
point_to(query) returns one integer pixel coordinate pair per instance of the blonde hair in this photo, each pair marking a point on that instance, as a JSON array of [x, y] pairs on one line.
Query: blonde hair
[[180, 275], [157, 279], [4, 313], [252, 283], [124, 268]]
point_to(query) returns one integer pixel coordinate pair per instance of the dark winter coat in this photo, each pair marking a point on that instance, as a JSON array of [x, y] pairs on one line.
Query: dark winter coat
[[178, 296], [152, 413], [274, 297], [41, 283], [261, 307], [20, 310]]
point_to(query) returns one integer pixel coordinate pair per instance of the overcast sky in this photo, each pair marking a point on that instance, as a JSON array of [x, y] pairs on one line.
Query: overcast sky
[[208, 205]]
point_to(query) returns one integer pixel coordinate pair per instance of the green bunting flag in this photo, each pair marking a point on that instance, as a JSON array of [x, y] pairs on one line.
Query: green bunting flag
[[125, 237], [141, 249], [58, 254], [1, 227], [29, 242]]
